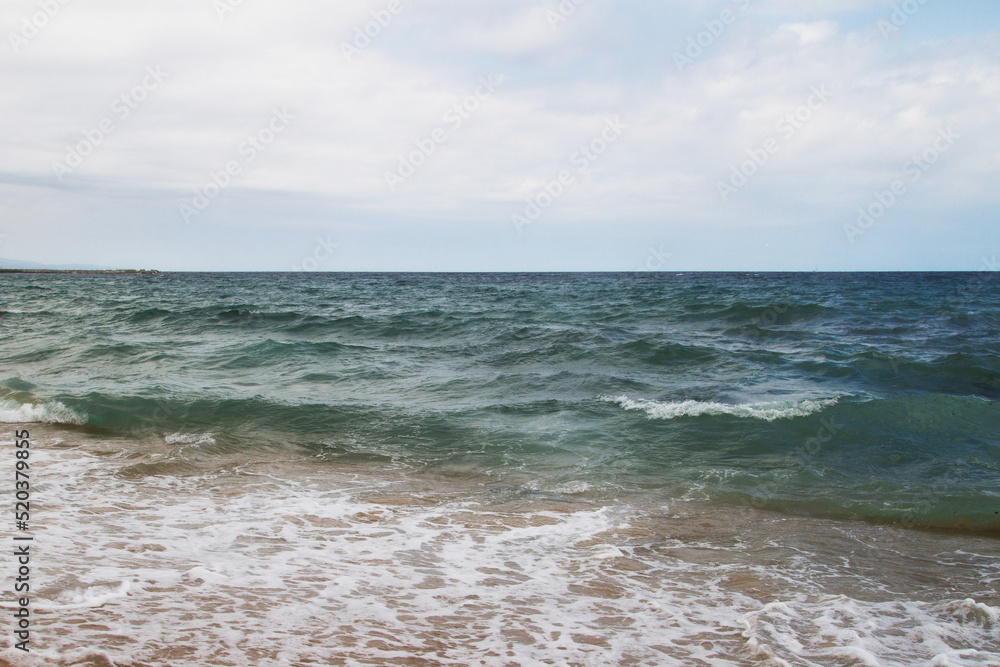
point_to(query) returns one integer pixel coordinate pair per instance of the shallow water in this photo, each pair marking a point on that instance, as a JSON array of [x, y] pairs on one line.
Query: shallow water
[[270, 562]]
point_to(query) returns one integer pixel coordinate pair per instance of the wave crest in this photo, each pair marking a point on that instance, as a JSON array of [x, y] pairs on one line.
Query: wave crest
[[13, 412], [768, 411], [190, 439]]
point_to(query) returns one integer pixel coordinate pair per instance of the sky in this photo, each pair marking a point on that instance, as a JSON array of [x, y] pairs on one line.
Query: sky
[[461, 135]]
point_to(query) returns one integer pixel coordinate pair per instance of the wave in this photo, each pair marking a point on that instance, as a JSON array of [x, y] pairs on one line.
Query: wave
[[150, 315], [768, 411], [762, 314], [189, 439], [669, 353], [14, 412]]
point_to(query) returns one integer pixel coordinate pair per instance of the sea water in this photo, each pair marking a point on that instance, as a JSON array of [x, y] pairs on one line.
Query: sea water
[[609, 469]]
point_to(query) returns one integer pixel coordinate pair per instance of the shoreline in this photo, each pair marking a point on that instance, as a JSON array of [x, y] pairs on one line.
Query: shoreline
[[454, 579]]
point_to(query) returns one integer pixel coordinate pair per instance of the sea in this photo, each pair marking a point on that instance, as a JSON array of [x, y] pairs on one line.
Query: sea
[[695, 469]]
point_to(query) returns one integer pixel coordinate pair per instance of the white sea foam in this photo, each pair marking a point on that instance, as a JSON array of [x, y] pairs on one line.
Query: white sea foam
[[92, 596], [293, 573], [768, 411], [572, 488], [71, 658], [190, 439], [283, 569], [564, 488], [13, 412], [841, 630]]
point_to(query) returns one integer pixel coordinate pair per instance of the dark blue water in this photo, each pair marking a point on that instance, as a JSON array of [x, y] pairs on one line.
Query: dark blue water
[[866, 396]]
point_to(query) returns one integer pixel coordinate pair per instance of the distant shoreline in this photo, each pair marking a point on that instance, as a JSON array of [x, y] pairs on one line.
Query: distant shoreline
[[86, 271]]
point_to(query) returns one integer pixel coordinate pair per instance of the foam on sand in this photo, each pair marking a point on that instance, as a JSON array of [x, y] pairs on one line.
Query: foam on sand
[[840, 630], [292, 568]]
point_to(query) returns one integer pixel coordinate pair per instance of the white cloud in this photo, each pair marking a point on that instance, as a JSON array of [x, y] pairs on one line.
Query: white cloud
[[353, 119], [521, 33], [810, 33]]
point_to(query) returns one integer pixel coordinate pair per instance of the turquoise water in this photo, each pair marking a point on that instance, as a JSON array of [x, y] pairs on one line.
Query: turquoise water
[[851, 396]]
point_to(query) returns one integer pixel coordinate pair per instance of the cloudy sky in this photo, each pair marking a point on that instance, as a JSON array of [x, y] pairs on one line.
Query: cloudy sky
[[508, 135]]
